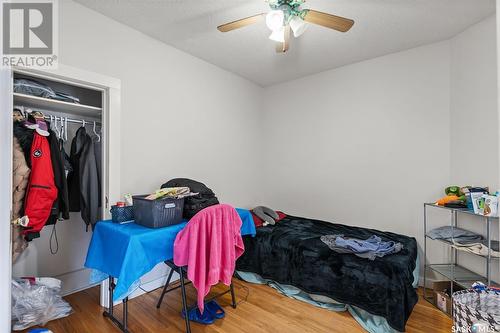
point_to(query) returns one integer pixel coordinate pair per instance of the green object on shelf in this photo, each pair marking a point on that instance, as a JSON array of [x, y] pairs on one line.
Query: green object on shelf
[[453, 190]]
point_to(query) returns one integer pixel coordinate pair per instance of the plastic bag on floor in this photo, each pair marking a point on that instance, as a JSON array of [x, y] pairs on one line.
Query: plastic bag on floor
[[35, 301]]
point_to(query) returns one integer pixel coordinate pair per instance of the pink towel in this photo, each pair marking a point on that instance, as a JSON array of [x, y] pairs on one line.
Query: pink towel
[[209, 245]]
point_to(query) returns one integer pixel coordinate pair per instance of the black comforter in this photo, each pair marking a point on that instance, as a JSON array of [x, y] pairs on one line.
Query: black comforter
[[291, 252]]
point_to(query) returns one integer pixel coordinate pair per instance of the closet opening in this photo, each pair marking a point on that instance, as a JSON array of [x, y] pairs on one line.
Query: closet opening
[[67, 118]]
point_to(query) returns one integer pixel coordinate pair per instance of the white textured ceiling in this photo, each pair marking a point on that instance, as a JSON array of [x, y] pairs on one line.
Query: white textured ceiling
[[382, 27]]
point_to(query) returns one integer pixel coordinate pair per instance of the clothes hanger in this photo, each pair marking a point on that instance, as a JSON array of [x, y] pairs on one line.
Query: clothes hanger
[[95, 132], [66, 129], [83, 122], [65, 124], [62, 128], [56, 129]]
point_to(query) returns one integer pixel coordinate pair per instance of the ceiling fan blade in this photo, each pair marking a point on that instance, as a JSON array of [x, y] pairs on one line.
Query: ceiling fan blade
[[240, 23], [328, 20], [283, 47]]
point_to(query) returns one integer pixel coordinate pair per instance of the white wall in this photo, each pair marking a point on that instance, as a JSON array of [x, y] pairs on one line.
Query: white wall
[[368, 143], [181, 117], [364, 144], [474, 121], [474, 116]]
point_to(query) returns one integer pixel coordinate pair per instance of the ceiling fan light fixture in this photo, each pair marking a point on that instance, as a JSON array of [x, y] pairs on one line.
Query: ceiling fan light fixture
[[286, 16], [278, 35], [275, 19], [298, 25]]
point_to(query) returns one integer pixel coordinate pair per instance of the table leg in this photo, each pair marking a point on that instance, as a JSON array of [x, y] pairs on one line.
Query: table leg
[[111, 288], [109, 312], [125, 313]]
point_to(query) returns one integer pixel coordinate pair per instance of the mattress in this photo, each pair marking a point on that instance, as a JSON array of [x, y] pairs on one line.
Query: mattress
[[292, 253]]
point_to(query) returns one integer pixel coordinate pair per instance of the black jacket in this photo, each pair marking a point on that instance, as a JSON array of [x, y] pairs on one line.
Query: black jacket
[[84, 181], [61, 205]]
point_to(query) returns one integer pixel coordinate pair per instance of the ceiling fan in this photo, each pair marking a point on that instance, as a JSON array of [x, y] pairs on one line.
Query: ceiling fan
[[286, 15]]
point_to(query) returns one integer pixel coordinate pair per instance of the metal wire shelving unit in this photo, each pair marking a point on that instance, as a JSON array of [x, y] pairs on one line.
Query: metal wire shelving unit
[[453, 271]]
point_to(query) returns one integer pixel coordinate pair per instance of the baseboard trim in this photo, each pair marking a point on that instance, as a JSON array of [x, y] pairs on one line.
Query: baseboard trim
[[75, 281], [144, 288], [429, 281], [149, 286]]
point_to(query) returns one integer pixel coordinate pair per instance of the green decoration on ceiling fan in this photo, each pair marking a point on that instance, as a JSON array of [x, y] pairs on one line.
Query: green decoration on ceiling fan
[[290, 8]]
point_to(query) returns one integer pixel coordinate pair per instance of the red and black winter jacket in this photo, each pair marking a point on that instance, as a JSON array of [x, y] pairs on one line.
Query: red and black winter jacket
[[41, 192]]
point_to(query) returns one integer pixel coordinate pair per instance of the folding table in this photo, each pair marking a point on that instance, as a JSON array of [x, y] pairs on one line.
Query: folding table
[[123, 253]]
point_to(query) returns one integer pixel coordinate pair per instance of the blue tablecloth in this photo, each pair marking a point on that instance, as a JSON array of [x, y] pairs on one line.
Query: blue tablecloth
[[128, 251]]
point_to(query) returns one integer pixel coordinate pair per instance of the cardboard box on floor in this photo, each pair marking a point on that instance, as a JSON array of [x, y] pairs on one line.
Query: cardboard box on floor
[[441, 299]]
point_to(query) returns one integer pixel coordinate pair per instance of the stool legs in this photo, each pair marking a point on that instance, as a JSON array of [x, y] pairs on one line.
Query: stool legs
[[183, 283], [184, 301], [233, 297], [165, 288]]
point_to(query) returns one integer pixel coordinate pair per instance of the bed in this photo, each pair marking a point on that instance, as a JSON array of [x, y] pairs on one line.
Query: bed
[[291, 253]]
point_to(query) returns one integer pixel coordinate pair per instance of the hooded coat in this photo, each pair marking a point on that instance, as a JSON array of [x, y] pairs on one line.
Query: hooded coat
[[60, 207], [42, 191], [20, 178]]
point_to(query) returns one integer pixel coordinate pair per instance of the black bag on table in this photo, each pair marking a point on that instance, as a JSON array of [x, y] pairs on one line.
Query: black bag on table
[[194, 204]]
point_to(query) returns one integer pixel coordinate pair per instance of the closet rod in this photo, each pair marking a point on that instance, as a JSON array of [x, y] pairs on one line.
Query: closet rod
[[70, 120], [75, 121]]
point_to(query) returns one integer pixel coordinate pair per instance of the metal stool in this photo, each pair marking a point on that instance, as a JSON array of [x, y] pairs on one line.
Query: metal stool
[[182, 271]]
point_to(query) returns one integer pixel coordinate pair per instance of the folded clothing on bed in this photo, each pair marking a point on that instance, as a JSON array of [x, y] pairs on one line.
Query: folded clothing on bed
[[291, 252], [370, 248]]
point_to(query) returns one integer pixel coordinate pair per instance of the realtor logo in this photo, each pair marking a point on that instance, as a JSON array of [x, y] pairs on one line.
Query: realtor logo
[[29, 33]]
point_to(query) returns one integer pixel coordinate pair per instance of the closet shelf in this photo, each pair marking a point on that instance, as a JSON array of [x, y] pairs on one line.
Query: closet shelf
[[466, 252], [55, 105], [460, 275]]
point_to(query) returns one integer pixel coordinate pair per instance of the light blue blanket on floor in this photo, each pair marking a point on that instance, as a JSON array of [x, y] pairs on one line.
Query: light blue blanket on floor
[[371, 323]]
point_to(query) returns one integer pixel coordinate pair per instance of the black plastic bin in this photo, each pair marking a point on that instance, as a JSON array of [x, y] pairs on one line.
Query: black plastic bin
[[157, 213]]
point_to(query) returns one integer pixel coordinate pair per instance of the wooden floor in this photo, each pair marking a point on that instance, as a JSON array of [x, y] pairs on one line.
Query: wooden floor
[[260, 309]]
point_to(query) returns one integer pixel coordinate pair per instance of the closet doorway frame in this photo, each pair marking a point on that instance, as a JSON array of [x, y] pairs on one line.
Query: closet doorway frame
[[111, 138]]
